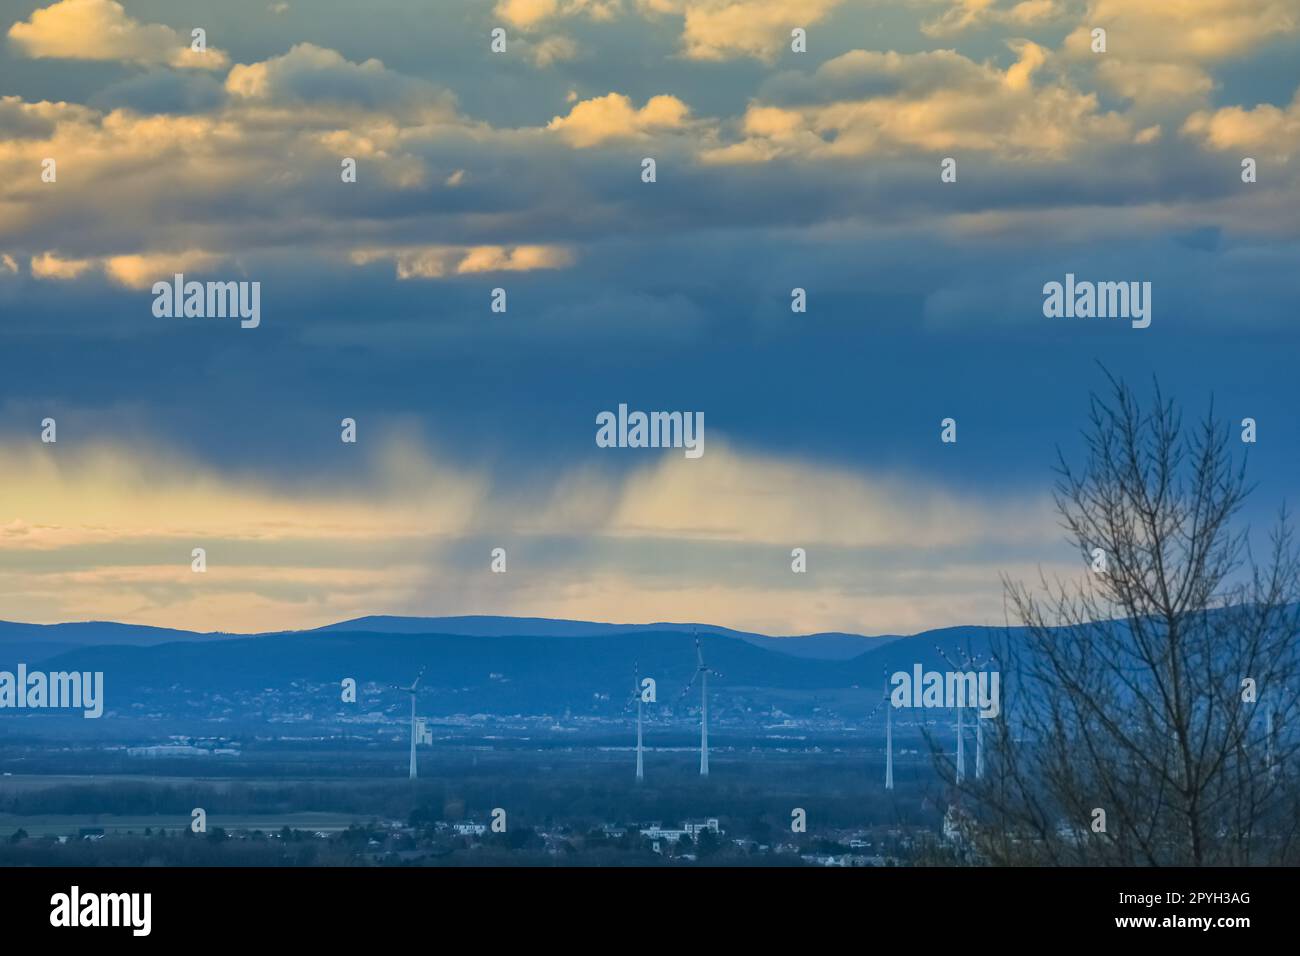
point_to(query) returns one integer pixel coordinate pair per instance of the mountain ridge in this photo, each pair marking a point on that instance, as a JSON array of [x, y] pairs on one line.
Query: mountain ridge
[[42, 639], [294, 676]]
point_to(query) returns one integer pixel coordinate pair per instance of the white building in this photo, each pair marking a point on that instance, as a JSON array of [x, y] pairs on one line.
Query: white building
[[167, 750], [690, 828], [698, 827], [656, 833]]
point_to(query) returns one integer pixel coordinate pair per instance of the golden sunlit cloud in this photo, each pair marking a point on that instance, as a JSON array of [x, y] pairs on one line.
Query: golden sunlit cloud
[[139, 271], [613, 117], [437, 262], [941, 101], [725, 29], [110, 494], [101, 30], [1263, 129], [1016, 14], [530, 14], [50, 265], [1188, 30]]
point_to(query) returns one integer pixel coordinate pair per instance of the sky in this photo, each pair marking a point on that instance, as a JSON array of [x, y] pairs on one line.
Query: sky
[[522, 170]]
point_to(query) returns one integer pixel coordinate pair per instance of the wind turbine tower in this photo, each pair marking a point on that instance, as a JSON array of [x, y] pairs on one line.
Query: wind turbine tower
[[889, 741], [701, 674], [888, 704], [961, 733], [961, 748], [411, 690], [636, 692]]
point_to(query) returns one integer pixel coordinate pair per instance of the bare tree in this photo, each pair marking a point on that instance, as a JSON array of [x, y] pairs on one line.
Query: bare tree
[[1149, 705]]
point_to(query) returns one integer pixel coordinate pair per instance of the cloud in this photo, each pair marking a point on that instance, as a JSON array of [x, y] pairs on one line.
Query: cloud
[[19, 120], [1018, 14], [727, 495], [1196, 31], [132, 182], [136, 271], [108, 494], [725, 29], [163, 91], [712, 30], [254, 176], [939, 101], [1158, 55], [101, 30], [141, 271], [613, 117], [531, 14], [1155, 84], [552, 49], [1264, 129], [107, 531], [437, 262], [527, 13], [49, 265], [314, 76], [112, 528]]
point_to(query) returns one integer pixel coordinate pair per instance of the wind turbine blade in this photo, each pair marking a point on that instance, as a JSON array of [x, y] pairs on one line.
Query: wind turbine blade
[[687, 689], [635, 696], [946, 657]]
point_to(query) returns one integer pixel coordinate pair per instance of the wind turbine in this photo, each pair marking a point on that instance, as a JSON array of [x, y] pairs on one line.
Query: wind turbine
[[961, 734], [636, 692], [889, 739], [961, 744], [701, 674], [411, 690], [889, 732]]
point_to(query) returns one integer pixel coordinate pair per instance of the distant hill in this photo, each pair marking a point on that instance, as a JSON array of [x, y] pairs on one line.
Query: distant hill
[[95, 632], [474, 665], [31, 642], [824, 646], [36, 642], [504, 673]]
